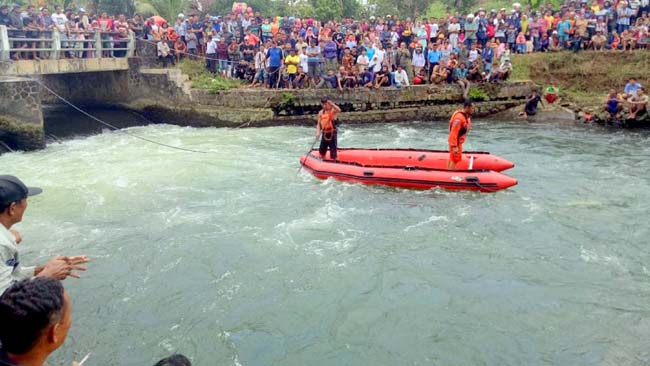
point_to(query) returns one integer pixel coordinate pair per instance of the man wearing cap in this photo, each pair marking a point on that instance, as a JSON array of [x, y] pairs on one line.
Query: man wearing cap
[[13, 203]]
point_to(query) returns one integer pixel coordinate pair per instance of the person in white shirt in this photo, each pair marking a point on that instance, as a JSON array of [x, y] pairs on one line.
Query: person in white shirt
[[400, 78], [211, 54], [380, 54], [453, 29], [418, 59], [304, 60], [473, 54], [433, 30], [260, 66], [362, 60], [59, 19]]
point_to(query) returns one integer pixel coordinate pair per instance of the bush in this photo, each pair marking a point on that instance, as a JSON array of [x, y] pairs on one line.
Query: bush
[[477, 94], [202, 79]]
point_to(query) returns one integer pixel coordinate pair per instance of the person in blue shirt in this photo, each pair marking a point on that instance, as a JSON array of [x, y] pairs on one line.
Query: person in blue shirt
[[433, 57], [631, 88], [563, 29], [275, 58], [487, 55]]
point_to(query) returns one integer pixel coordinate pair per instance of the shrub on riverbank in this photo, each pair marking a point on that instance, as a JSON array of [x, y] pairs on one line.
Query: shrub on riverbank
[[202, 79]]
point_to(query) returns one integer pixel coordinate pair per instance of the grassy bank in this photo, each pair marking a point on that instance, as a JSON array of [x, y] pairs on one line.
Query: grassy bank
[[202, 79], [586, 77]]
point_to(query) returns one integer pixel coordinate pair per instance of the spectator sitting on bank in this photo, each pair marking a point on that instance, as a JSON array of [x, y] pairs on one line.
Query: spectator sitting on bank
[[631, 88], [614, 104], [475, 73], [164, 53], [503, 73], [366, 78], [330, 81], [638, 104], [302, 79], [598, 41], [439, 74], [382, 77], [400, 77], [36, 316], [350, 81], [421, 78], [552, 94]]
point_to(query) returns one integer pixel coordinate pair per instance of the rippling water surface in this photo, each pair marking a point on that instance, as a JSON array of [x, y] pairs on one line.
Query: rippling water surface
[[232, 258]]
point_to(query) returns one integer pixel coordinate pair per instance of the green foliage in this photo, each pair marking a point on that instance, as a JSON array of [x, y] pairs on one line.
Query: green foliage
[[115, 6], [477, 94], [437, 9], [327, 9], [286, 99], [202, 79]]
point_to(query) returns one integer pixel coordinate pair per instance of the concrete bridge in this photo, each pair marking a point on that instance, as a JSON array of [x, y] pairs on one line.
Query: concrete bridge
[[48, 53]]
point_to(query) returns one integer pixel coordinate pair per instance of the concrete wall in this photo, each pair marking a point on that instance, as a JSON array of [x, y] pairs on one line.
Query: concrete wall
[[21, 117], [63, 66]]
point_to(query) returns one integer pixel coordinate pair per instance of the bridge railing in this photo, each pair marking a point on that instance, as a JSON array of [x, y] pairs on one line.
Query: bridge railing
[[55, 45]]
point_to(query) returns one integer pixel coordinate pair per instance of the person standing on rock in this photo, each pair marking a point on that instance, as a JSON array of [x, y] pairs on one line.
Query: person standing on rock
[[459, 126], [326, 127]]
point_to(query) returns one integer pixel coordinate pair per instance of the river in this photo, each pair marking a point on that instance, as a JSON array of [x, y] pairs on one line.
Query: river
[[233, 258]]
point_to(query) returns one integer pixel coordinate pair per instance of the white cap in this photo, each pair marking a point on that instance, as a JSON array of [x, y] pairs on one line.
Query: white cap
[[82, 10], [181, 15]]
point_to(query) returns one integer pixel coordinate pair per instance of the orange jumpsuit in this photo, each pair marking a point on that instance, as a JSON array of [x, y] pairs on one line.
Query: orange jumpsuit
[[459, 126]]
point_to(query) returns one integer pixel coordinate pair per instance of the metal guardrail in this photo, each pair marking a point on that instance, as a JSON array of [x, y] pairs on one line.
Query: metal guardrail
[[58, 44]]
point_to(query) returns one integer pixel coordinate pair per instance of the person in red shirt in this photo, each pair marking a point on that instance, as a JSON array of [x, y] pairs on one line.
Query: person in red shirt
[[459, 126]]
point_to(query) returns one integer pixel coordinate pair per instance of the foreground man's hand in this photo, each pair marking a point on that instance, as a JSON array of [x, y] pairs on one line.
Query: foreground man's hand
[[61, 267]]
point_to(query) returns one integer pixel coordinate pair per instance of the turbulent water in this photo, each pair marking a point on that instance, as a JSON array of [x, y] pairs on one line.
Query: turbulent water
[[233, 258]]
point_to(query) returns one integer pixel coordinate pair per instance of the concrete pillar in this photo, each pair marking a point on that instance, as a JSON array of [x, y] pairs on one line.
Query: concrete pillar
[[56, 44], [21, 116], [4, 43], [98, 45], [131, 45]]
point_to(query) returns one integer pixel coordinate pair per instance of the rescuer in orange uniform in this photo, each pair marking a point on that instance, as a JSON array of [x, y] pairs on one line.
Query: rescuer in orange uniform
[[459, 125], [326, 127]]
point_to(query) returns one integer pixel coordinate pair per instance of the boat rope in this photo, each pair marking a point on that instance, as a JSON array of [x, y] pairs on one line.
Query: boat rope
[[6, 146], [114, 128], [302, 162]]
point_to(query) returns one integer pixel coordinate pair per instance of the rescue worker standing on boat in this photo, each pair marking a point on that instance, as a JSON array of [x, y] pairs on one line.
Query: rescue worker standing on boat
[[459, 126], [326, 127]]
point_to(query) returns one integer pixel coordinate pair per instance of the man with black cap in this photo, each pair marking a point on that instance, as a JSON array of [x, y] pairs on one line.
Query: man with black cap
[[13, 203]]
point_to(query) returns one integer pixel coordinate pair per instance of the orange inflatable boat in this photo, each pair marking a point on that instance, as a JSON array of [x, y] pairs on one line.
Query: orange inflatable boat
[[430, 159], [416, 169]]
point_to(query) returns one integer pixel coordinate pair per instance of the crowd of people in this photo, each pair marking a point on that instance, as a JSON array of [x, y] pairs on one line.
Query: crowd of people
[[291, 52], [76, 29]]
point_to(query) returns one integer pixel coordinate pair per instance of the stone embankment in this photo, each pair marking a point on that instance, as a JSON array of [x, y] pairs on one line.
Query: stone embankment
[[263, 107]]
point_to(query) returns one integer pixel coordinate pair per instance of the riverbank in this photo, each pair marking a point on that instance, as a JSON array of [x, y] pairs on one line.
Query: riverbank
[[584, 78]]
